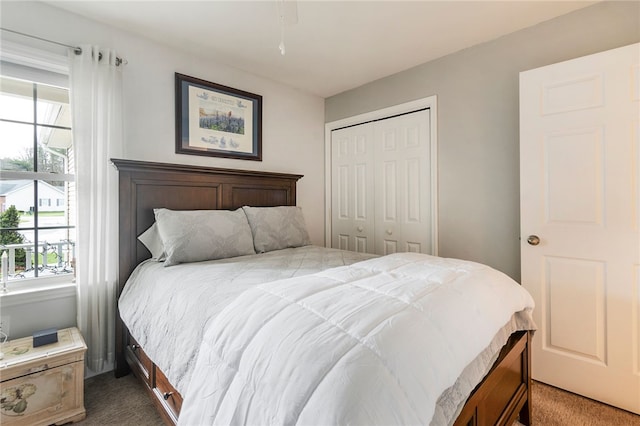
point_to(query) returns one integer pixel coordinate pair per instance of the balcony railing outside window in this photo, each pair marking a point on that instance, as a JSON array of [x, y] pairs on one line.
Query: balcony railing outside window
[[54, 258]]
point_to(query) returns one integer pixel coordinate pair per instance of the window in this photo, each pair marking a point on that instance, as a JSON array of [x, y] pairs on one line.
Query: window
[[36, 166]]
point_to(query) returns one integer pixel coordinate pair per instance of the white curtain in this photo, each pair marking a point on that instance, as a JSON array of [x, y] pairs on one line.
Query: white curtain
[[96, 98]]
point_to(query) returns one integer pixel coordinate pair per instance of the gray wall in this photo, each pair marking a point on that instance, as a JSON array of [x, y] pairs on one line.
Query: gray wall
[[478, 135]]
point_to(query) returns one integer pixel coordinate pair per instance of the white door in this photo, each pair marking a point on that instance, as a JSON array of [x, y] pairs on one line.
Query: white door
[[580, 219], [352, 189], [402, 182]]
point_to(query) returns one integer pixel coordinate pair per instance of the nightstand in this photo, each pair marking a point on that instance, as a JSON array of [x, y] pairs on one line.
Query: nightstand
[[43, 385]]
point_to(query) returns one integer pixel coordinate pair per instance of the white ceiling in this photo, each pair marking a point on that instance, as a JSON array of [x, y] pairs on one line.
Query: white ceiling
[[334, 46]]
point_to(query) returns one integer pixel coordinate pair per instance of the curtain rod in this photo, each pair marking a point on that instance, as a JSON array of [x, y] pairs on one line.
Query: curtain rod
[[76, 49]]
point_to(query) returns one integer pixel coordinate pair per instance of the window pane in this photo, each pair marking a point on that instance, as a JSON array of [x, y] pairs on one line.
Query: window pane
[[56, 143], [16, 144], [20, 255], [53, 205], [14, 241], [53, 106], [16, 100], [55, 252], [19, 195]]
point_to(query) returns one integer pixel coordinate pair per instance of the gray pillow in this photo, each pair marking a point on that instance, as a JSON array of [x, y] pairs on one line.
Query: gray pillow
[[276, 228], [197, 235], [152, 241]]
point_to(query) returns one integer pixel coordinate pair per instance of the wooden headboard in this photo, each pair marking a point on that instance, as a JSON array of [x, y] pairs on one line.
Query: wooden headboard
[[144, 186]]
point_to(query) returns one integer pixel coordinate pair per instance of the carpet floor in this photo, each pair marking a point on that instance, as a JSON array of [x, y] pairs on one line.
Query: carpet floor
[[555, 407], [111, 401], [123, 401]]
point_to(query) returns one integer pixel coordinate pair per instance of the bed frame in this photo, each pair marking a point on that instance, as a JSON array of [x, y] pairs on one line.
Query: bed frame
[[502, 397]]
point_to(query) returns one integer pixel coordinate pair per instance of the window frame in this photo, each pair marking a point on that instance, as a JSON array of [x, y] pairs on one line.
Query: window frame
[[46, 282]]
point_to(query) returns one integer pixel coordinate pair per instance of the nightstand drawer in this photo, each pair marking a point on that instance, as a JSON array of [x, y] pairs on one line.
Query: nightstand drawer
[[37, 365]]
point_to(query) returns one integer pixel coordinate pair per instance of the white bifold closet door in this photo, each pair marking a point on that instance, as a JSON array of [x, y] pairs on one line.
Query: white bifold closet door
[[381, 188]]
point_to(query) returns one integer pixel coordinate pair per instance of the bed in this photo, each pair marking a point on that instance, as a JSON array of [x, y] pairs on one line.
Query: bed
[[498, 397]]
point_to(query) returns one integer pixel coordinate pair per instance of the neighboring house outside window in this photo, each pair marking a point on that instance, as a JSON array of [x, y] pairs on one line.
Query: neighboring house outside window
[[36, 167]]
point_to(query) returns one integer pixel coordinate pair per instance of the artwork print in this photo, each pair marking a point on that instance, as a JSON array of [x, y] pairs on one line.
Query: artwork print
[[217, 120]]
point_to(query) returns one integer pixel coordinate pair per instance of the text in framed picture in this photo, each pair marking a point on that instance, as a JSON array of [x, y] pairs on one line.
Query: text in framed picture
[[216, 120]]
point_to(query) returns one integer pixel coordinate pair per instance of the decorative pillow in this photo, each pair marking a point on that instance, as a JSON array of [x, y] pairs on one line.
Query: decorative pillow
[[276, 228], [197, 235], [152, 241]]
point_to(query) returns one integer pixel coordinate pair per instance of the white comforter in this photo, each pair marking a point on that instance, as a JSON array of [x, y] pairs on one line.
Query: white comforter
[[376, 342], [167, 309]]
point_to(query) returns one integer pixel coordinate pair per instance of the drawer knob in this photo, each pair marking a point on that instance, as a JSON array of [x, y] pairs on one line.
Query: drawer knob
[[166, 395], [135, 347]]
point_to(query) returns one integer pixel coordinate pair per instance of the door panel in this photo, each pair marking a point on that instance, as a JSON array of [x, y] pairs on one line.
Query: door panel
[[352, 189], [573, 286], [585, 148], [579, 156], [403, 217]]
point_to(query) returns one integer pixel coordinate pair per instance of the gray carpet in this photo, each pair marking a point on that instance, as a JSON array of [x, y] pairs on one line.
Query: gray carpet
[[111, 401], [123, 401]]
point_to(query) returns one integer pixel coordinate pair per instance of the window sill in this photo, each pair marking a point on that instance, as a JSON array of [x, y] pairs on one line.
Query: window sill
[[21, 296]]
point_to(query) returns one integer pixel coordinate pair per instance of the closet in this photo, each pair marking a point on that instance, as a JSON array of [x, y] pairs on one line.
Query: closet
[[381, 185]]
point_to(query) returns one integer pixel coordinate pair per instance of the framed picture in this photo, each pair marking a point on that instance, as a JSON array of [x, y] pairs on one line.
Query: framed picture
[[216, 120]]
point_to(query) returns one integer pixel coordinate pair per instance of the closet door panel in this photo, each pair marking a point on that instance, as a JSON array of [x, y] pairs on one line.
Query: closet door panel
[[402, 158], [352, 189], [387, 231]]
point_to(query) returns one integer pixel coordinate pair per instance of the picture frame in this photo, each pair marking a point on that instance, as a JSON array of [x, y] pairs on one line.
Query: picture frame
[[216, 120]]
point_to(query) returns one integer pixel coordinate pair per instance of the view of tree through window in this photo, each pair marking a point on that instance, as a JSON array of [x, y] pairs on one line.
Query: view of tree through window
[[37, 188]]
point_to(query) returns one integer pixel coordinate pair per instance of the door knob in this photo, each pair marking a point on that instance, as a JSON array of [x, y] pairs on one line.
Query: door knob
[[360, 228], [533, 240], [389, 232]]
